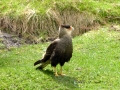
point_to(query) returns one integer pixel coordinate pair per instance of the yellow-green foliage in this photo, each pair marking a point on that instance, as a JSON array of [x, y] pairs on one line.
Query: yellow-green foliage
[[102, 8]]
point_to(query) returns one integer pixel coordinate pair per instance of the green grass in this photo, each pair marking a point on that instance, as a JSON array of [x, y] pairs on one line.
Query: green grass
[[101, 8], [95, 65]]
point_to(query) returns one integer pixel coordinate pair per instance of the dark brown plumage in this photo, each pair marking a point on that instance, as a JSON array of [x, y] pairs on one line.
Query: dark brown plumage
[[59, 51]]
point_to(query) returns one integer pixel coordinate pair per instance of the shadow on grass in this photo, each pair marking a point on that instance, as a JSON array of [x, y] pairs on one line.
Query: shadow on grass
[[67, 81]]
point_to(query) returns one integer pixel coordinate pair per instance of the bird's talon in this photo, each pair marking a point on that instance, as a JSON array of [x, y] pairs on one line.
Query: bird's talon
[[56, 75], [62, 74]]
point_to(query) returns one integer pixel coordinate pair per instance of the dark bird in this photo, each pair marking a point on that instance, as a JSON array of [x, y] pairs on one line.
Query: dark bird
[[59, 51]]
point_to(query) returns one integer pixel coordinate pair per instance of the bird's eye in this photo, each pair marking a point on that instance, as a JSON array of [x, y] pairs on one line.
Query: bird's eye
[[68, 27], [65, 26]]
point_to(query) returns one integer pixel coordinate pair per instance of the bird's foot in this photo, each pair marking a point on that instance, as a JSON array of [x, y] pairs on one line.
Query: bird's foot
[[62, 74], [56, 74]]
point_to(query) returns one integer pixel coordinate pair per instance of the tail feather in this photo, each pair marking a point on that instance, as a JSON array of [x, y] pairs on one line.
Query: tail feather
[[43, 64], [37, 62]]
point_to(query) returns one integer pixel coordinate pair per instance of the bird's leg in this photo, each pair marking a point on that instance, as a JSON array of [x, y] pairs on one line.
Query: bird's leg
[[60, 70], [55, 70], [61, 73]]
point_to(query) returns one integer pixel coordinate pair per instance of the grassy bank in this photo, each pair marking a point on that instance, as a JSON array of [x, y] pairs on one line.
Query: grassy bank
[[101, 7], [32, 19], [94, 65]]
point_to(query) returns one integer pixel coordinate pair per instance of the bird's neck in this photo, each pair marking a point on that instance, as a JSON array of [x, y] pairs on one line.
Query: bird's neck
[[64, 33]]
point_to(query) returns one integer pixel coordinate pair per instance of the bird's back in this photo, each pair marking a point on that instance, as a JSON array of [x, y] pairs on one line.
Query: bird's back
[[63, 51]]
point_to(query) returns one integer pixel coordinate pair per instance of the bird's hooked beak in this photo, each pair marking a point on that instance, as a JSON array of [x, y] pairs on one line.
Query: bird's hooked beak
[[72, 28]]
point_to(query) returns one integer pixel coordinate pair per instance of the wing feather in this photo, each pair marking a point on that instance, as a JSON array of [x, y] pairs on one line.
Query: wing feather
[[48, 53], [50, 50]]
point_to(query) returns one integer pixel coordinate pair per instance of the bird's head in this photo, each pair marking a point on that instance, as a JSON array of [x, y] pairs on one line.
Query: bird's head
[[65, 30]]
